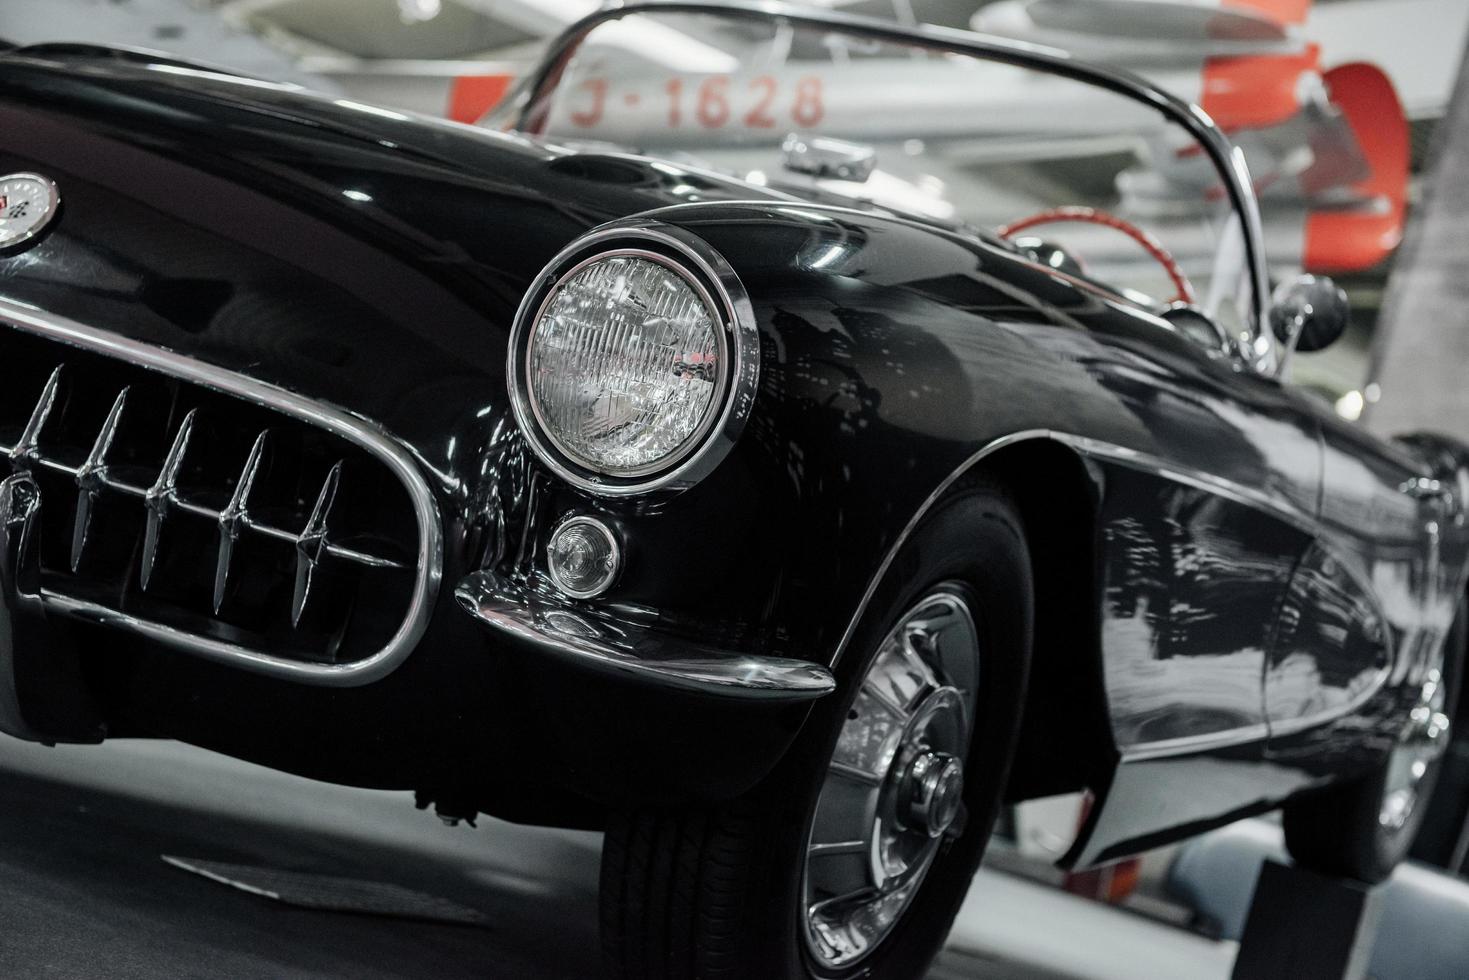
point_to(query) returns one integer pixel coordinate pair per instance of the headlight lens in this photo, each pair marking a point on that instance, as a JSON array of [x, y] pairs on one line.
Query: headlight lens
[[624, 364]]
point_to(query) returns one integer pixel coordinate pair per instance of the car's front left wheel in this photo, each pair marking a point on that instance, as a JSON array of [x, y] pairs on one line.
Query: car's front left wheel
[[852, 858]]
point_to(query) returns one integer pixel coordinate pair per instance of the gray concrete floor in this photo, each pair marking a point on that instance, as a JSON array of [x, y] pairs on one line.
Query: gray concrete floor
[[87, 895]]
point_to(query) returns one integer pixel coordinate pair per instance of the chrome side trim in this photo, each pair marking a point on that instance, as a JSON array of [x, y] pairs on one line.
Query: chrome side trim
[[1092, 448], [362, 433], [1257, 732], [739, 338], [1189, 744], [633, 651], [1237, 492]]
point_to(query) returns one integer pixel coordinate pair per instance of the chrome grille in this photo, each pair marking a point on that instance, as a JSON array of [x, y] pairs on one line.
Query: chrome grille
[[212, 512]]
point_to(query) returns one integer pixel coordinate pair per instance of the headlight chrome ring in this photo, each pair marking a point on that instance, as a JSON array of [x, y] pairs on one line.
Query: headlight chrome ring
[[714, 285]]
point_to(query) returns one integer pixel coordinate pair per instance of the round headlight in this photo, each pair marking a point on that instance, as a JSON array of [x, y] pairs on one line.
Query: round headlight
[[634, 359], [625, 363]]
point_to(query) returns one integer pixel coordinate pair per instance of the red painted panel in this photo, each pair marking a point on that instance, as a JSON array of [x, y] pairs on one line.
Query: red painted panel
[[471, 96], [1359, 238], [1280, 11], [1255, 91]]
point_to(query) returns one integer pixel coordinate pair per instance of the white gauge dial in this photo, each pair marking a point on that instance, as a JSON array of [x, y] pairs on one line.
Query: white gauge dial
[[27, 203]]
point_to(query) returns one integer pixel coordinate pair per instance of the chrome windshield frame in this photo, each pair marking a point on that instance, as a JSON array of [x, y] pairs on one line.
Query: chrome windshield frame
[[1254, 346]]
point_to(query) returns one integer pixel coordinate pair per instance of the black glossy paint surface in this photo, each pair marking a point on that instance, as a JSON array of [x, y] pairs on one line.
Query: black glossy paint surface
[[1259, 563]]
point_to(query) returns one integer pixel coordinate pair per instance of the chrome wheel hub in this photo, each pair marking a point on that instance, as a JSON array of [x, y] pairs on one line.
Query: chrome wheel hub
[[932, 792], [1424, 738], [894, 788]]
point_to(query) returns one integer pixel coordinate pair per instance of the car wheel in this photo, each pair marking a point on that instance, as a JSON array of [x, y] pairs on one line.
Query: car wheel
[[851, 859], [1364, 828]]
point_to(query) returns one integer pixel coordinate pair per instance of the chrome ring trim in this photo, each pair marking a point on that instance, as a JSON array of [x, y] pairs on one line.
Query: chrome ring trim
[[53, 204], [611, 538], [739, 335], [509, 610], [1189, 744], [1256, 347], [365, 434], [694, 438]]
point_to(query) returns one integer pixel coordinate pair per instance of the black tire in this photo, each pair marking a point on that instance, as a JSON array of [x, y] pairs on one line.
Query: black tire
[[1337, 832], [713, 893]]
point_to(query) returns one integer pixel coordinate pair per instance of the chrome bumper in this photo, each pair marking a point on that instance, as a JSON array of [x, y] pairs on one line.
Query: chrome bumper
[[634, 650]]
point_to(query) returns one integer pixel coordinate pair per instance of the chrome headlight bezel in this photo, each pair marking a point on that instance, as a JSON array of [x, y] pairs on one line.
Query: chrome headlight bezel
[[721, 382], [716, 285]]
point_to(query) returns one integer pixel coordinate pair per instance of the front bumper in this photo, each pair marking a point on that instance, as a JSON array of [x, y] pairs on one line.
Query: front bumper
[[524, 708], [632, 649], [453, 701]]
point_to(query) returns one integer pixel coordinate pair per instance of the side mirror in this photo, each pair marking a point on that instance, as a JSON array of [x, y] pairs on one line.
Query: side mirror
[[822, 156], [1309, 313]]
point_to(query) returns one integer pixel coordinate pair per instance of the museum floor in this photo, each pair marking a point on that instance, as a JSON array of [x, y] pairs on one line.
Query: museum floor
[[84, 833]]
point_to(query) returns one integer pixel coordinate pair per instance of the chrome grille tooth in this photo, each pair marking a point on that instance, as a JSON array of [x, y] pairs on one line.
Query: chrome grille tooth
[[235, 517], [90, 478], [161, 495], [81, 522], [223, 556], [24, 449], [311, 542], [362, 557]]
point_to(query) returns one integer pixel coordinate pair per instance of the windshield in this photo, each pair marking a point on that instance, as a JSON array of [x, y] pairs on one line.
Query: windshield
[[1092, 182]]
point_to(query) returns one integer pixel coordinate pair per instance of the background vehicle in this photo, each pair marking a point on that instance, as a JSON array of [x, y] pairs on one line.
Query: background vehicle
[[784, 524]]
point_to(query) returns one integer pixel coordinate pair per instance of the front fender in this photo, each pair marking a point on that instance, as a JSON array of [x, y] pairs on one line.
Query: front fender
[[893, 356]]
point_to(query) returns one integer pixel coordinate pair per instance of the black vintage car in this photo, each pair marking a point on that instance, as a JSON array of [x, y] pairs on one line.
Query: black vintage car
[[778, 439]]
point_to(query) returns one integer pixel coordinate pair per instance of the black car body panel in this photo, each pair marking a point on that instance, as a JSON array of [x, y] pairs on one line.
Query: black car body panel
[[374, 263]]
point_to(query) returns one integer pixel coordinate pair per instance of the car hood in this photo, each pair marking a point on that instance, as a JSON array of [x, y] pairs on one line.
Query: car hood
[[284, 137], [361, 256], [197, 205]]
